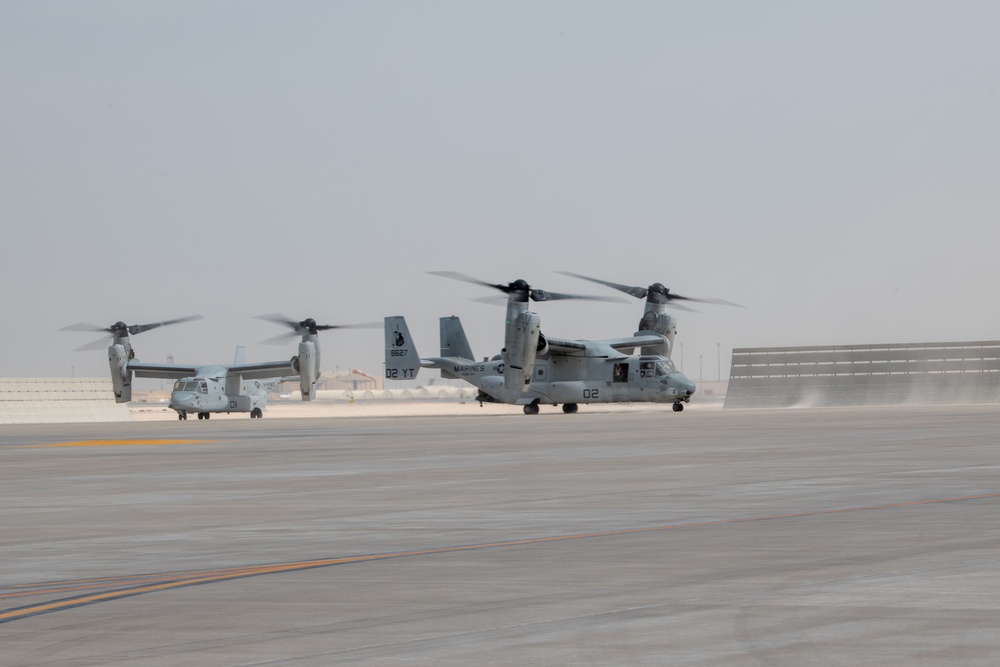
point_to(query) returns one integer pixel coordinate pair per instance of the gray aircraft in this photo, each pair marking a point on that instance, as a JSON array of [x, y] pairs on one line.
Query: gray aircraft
[[202, 390], [533, 369]]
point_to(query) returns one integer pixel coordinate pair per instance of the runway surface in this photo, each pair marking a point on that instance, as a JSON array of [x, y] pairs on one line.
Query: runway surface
[[711, 537]]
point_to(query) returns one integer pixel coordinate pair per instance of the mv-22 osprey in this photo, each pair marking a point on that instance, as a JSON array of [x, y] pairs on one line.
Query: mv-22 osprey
[[202, 390], [534, 369]]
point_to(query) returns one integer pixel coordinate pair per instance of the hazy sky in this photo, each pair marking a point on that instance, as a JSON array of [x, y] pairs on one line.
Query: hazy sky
[[833, 166]]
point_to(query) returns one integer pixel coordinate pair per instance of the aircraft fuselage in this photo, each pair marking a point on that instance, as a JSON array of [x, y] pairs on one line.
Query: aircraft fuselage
[[203, 395], [569, 379]]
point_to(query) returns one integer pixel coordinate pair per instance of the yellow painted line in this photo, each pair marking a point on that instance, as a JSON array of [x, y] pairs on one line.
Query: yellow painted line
[[119, 443], [276, 568]]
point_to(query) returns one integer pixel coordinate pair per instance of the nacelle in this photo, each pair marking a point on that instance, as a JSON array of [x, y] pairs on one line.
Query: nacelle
[[307, 365], [121, 377], [542, 348], [521, 348]]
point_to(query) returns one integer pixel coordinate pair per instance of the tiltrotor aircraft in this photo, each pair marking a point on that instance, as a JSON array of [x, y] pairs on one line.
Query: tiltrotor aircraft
[[533, 369], [240, 387]]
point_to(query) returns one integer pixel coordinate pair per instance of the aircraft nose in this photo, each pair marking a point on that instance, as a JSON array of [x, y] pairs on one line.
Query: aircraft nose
[[682, 385], [182, 400]]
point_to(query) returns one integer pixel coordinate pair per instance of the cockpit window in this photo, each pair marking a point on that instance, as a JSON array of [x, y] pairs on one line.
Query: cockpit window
[[666, 366], [647, 369], [200, 387]]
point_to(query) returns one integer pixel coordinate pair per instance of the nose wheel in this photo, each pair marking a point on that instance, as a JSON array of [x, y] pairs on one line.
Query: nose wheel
[[678, 406]]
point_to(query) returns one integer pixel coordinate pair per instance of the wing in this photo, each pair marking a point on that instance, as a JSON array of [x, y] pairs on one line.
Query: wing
[[167, 371], [264, 370], [632, 342], [564, 346], [601, 348]]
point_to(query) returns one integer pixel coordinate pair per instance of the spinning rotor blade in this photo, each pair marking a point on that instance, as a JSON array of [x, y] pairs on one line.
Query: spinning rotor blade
[[637, 292], [455, 275], [542, 295], [306, 326], [83, 326], [139, 328], [120, 329], [96, 345], [655, 288], [521, 285]]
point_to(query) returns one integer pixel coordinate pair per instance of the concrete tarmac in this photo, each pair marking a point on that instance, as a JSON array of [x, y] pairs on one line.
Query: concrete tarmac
[[865, 536]]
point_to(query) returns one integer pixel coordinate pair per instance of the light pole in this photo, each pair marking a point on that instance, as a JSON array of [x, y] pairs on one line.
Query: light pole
[[700, 374], [682, 357], [719, 361]]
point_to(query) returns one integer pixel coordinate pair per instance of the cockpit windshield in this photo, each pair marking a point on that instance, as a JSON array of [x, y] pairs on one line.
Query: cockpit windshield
[[666, 366], [191, 385], [654, 367]]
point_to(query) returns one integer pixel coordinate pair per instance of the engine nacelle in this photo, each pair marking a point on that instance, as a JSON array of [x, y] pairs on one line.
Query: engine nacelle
[[121, 377], [307, 365], [520, 351], [543, 346], [663, 324]]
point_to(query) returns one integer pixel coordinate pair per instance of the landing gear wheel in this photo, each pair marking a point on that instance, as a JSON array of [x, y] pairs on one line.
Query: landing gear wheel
[[256, 413], [182, 416], [204, 415], [570, 408], [678, 407], [531, 409]]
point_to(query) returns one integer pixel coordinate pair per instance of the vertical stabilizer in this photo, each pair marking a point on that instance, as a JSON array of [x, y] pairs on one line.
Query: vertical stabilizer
[[453, 340], [401, 359]]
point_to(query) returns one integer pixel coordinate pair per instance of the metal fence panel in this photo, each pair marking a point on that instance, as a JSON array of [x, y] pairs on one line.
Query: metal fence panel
[[890, 374]]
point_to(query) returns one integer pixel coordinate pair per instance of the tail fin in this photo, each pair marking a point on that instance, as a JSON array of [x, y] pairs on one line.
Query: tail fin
[[453, 340], [240, 357], [401, 359]]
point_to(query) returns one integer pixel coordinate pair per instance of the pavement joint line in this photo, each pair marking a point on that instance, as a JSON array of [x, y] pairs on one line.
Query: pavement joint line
[[214, 576], [120, 443]]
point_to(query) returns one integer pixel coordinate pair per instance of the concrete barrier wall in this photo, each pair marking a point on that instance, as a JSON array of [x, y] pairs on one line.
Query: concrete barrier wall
[[419, 393], [59, 400], [890, 374]]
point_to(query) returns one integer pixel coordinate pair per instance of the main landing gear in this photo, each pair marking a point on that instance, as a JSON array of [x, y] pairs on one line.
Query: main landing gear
[[256, 413], [568, 408], [204, 415], [678, 406]]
